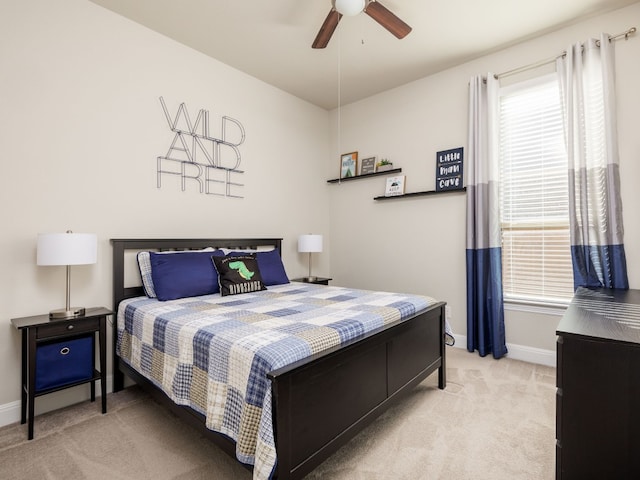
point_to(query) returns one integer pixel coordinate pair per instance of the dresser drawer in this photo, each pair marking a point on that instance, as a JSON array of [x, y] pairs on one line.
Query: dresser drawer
[[69, 327]]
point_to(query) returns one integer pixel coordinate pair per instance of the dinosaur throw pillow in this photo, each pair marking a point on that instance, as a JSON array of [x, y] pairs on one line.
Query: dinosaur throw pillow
[[238, 274]]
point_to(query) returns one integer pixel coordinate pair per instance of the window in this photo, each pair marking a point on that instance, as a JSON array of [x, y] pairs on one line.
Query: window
[[536, 255]]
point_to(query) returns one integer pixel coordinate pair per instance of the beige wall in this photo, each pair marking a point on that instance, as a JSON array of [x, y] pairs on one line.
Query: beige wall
[[81, 127], [418, 244]]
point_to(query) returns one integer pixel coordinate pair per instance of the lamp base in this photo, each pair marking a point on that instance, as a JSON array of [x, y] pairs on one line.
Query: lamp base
[[70, 312], [310, 279]]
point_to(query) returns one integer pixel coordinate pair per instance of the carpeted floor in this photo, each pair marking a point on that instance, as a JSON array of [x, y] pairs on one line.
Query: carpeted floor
[[495, 420]]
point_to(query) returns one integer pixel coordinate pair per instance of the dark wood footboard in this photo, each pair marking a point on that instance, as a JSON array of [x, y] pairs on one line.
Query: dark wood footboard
[[319, 403]]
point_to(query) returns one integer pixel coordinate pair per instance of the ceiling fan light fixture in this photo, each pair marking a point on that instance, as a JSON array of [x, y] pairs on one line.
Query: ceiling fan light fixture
[[349, 8]]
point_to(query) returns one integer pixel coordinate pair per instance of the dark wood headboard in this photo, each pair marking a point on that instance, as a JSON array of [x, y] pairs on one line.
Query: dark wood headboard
[[121, 246]]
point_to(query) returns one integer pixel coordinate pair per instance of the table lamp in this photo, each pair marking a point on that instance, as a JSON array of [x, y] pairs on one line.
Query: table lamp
[[310, 244], [67, 249]]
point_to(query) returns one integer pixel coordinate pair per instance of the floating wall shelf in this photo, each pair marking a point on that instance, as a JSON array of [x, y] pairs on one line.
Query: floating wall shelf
[[366, 175], [420, 194]]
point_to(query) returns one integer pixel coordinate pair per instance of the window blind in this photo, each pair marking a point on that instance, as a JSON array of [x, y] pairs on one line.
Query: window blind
[[536, 255]]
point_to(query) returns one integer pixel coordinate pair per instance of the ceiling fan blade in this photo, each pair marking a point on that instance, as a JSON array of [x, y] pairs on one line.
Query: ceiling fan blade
[[387, 19], [327, 29]]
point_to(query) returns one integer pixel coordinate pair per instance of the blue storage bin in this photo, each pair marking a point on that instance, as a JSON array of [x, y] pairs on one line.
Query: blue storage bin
[[64, 362]]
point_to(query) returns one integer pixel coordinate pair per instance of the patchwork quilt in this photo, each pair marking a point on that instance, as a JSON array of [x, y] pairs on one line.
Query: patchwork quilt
[[212, 353]]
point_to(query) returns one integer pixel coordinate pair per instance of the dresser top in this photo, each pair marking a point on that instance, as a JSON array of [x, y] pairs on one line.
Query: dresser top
[[603, 313]]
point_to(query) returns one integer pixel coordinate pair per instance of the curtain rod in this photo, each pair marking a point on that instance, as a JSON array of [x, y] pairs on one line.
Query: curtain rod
[[541, 63]]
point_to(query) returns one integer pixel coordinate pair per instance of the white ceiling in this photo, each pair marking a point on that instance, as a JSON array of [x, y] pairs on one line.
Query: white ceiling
[[271, 39]]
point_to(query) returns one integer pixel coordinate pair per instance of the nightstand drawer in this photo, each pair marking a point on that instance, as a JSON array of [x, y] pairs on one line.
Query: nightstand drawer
[[64, 362], [56, 328]]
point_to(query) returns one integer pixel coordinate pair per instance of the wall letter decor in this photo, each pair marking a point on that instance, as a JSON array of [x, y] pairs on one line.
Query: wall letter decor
[[198, 158]]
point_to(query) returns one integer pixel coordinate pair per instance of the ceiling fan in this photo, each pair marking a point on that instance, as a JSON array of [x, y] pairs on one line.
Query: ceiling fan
[[353, 7]]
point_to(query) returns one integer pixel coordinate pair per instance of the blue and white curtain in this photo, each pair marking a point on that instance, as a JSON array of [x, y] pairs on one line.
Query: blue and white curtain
[[485, 309], [587, 84]]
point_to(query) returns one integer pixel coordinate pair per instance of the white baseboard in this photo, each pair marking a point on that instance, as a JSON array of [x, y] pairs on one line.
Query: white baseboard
[[10, 412], [520, 352]]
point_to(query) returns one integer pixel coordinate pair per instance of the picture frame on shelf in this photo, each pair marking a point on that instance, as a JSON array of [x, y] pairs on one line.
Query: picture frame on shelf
[[395, 186], [349, 165], [450, 169], [368, 165]]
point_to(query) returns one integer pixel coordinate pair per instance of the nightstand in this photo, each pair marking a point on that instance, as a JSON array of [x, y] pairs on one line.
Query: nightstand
[[60, 353], [316, 280]]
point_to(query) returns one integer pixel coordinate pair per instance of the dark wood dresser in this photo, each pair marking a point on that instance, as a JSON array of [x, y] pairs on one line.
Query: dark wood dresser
[[598, 380]]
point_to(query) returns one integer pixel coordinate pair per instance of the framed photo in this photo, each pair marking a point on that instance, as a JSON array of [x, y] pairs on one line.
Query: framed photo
[[395, 186], [368, 165], [348, 165]]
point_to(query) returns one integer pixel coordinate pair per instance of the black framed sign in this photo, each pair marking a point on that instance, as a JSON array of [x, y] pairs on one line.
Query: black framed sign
[[449, 170]]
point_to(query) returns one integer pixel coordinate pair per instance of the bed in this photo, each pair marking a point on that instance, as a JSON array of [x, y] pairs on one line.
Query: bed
[[315, 401]]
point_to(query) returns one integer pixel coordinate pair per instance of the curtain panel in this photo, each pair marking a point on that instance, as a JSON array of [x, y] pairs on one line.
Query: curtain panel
[[587, 85], [485, 308]]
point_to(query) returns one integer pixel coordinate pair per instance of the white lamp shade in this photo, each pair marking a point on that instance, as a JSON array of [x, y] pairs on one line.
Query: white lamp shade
[[310, 243], [349, 7], [67, 248]]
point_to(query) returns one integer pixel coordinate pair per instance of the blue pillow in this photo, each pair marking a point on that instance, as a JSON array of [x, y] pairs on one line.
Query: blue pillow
[[184, 274], [144, 265], [270, 265]]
